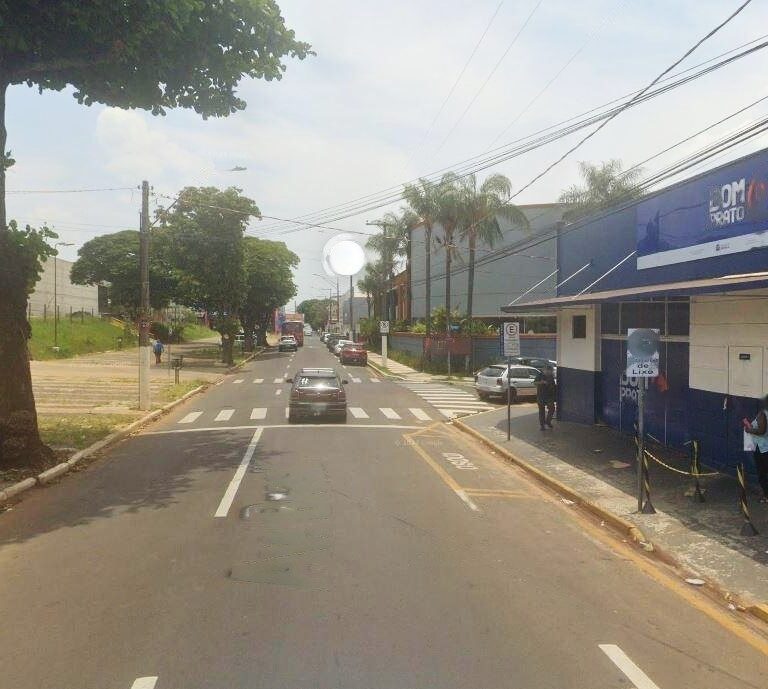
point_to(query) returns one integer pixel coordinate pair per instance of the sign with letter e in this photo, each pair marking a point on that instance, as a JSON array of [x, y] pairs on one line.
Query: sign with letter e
[[642, 352], [510, 339]]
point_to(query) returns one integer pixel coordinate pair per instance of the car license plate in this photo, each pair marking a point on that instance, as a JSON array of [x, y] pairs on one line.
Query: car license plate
[[318, 407]]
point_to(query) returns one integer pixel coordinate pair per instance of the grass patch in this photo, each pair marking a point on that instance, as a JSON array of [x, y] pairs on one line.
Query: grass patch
[[193, 331], [173, 392], [80, 430], [75, 337]]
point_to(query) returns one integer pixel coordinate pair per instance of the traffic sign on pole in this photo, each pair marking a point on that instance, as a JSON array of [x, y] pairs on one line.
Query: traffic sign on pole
[[510, 339], [384, 327]]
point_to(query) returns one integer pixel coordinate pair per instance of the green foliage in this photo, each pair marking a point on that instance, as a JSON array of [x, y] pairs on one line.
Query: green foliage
[[604, 185], [75, 337], [315, 312], [269, 281], [419, 328], [114, 258], [27, 250], [79, 431], [149, 55]]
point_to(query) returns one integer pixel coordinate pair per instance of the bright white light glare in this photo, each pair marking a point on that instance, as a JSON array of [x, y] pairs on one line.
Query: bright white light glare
[[342, 256]]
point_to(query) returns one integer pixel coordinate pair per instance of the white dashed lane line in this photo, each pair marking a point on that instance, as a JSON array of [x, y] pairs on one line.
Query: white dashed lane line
[[144, 683], [258, 380], [191, 417], [389, 413], [224, 415], [259, 413], [358, 413], [633, 673], [239, 380]]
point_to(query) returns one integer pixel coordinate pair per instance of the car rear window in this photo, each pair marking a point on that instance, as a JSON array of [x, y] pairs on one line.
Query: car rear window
[[318, 382], [493, 371]]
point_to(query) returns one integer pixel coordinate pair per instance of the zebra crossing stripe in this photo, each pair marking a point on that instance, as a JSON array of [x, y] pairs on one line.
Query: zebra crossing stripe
[[375, 380], [258, 380], [191, 417], [287, 412], [278, 380], [259, 413], [239, 380], [358, 413], [420, 414], [356, 380], [389, 413], [224, 415]]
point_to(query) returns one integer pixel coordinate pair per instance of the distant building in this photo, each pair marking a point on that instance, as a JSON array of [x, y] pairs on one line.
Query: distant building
[[69, 297], [359, 310]]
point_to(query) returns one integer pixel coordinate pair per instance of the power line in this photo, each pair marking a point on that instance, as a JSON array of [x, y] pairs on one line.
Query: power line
[[612, 117], [458, 79], [488, 78], [67, 191], [546, 135]]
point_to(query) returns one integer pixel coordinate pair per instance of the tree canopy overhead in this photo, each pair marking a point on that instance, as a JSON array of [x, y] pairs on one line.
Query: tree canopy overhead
[[143, 53]]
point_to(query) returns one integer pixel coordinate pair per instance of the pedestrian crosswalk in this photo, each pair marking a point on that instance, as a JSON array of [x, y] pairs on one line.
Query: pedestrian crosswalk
[[281, 381], [450, 401], [276, 414]]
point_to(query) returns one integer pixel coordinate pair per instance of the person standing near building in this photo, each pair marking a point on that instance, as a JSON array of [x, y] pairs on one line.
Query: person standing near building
[[758, 428], [546, 392]]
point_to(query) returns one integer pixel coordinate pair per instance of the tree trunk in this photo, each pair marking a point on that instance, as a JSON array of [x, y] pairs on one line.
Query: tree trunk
[[470, 295], [248, 328], [20, 443], [428, 286]]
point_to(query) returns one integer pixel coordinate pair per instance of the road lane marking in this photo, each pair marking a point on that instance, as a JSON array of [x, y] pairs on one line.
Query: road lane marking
[[358, 413], [389, 413], [443, 474], [191, 417], [258, 380], [293, 426], [356, 380], [278, 380], [287, 412], [279, 391], [259, 413], [224, 415], [420, 414], [375, 380], [234, 484], [239, 380], [490, 493], [622, 661], [144, 683]]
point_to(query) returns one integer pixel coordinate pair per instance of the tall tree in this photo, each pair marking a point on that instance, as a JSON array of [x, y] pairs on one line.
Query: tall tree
[[604, 185], [391, 244], [315, 312], [201, 240], [423, 199], [112, 258], [269, 284], [367, 284], [130, 54], [481, 209], [449, 216]]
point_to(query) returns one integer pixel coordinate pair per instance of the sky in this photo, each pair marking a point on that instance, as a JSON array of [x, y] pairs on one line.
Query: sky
[[364, 115]]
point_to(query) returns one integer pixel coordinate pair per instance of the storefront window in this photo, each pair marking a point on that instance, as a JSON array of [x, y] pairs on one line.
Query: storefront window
[[579, 327]]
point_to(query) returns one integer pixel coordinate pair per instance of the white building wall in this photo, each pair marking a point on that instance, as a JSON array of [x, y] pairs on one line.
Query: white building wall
[[76, 297], [723, 327], [582, 354]]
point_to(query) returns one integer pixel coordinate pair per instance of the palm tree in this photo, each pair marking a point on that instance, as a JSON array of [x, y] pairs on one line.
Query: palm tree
[[423, 201], [481, 209], [368, 286], [604, 185], [391, 244], [449, 216], [373, 284]]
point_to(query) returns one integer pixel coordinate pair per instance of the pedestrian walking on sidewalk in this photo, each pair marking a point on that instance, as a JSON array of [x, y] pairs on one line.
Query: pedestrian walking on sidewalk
[[758, 428], [157, 348], [546, 392]]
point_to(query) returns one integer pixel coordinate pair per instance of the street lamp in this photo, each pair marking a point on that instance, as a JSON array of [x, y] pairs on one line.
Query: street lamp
[[56, 294]]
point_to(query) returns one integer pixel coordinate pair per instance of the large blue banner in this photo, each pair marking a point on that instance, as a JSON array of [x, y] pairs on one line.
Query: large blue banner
[[722, 213]]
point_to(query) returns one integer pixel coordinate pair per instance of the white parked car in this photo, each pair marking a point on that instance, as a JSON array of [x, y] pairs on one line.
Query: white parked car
[[492, 381], [337, 347]]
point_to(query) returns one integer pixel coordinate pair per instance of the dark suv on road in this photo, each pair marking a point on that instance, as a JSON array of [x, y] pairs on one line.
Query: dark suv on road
[[317, 392]]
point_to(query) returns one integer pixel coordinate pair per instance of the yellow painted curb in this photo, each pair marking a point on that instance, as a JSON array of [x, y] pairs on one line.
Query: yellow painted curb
[[760, 611]]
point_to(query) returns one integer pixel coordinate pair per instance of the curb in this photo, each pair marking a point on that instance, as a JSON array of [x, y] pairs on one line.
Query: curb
[[617, 522], [620, 524], [384, 373], [251, 356], [64, 467]]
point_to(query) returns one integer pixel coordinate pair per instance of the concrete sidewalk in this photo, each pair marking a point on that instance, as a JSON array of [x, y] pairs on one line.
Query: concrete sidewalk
[[408, 373], [107, 382], [599, 464]]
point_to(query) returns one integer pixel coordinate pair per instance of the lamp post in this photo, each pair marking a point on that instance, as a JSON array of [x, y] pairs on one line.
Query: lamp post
[[56, 294]]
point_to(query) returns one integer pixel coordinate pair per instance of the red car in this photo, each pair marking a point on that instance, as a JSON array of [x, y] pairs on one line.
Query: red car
[[354, 354]]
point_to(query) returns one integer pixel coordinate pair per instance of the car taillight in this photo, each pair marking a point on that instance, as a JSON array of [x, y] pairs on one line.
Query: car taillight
[[499, 381]]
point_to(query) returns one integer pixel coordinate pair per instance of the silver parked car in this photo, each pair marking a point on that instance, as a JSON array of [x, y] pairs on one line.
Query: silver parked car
[[492, 381]]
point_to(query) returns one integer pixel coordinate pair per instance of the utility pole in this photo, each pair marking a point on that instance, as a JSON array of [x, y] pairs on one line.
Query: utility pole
[[351, 314], [338, 304], [144, 353]]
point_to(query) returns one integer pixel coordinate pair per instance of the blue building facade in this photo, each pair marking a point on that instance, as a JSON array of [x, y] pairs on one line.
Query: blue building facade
[[692, 261]]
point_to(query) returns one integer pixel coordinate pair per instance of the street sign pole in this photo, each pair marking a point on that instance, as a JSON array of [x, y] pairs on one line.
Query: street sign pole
[[509, 398], [384, 332], [640, 440]]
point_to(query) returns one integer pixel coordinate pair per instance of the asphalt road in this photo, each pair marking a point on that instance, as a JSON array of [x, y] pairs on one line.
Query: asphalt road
[[225, 549]]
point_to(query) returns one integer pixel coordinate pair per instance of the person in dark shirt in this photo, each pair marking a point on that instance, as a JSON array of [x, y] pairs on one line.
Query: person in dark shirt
[[546, 392]]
